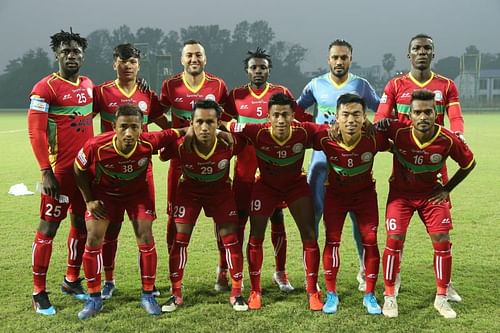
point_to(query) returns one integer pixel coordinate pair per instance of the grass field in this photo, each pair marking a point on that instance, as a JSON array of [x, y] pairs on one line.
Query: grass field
[[475, 261]]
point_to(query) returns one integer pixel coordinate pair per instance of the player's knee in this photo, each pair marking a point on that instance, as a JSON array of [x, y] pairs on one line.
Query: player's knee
[[400, 237], [48, 228], [369, 239], [440, 237]]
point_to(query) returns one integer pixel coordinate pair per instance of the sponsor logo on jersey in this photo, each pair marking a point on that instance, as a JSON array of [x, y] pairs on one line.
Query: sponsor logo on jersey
[[113, 105], [244, 107], [222, 164], [39, 104], [406, 95], [297, 148], [109, 166], [142, 162], [383, 99], [365, 157], [66, 96], [210, 97], [82, 158], [178, 100], [436, 158], [143, 106], [438, 95]]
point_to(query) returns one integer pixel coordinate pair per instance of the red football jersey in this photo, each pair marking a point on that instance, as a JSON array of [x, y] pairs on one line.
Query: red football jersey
[[280, 162], [249, 105], [397, 95], [180, 97], [109, 95], [350, 167], [60, 120], [416, 166], [115, 173], [204, 169]]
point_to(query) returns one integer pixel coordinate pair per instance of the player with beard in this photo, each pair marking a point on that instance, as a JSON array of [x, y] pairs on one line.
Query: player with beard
[[323, 92], [59, 123]]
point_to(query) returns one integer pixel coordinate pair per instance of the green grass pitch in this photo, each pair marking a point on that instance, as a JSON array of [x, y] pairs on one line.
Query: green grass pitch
[[476, 269]]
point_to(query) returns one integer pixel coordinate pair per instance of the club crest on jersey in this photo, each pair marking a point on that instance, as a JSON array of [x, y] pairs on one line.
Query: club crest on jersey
[[210, 97], [438, 95], [223, 164], [366, 157], [436, 158], [143, 106], [89, 91], [142, 162], [297, 148]]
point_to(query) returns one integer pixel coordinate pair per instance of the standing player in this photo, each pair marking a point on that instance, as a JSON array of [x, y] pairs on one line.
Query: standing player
[[248, 104], [397, 98], [107, 97], [179, 94], [350, 188], [111, 171], [324, 91], [59, 123], [420, 152], [205, 184], [280, 146]]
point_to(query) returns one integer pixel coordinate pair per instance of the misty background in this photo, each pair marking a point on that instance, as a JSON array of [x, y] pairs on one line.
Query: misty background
[[296, 34]]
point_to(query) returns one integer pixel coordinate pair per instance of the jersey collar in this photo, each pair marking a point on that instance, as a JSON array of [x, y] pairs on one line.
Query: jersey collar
[[425, 144], [421, 84], [124, 93], [210, 153], [76, 84], [275, 139], [196, 88], [262, 94], [127, 156]]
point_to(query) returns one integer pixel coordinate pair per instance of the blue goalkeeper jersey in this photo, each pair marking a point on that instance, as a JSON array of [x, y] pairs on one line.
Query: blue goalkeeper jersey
[[323, 92]]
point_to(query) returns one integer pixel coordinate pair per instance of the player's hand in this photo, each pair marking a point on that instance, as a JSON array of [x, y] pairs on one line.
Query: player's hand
[[188, 140], [143, 84], [226, 138], [383, 124], [440, 195], [368, 129], [96, 208], [460, 136], [50, 186], [334, 132]]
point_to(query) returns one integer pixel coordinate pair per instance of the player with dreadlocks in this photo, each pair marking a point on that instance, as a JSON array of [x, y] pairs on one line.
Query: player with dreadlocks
[[59, 123], [248, 104]]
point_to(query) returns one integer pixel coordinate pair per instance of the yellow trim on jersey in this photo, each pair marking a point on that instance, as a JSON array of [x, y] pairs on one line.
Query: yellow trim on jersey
[[124, 93], [351, 147], [76, 84], [453, 103], [127, 156], [426, 144], [275, 139], [198, 87], [261, 94], [338, 86], [421, 85], [210, 153], [79, 167], [469, 165]]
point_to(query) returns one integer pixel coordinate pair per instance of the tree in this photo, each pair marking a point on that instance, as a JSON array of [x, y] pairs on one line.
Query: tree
[[449, 66], [388, 62]]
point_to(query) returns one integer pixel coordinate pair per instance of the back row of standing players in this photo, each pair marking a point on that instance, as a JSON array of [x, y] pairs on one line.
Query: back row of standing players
[[60, 119]]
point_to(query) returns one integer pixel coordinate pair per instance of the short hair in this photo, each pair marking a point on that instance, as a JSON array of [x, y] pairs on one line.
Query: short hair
[[280, 99], [192, 42], [66, 37], [340, 42], [208, 104], [422, 95], [418, 36], [128, 110], [350, 98], [126, 51], [258, 53]]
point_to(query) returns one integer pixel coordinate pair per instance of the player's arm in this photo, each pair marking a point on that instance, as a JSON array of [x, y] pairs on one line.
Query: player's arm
[[82, 178], [306, 100], [387, 102], [454, 110], [442, 193], [371, 98]]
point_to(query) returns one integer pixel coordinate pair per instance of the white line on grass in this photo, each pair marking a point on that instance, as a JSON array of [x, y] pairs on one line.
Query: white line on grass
[[13, 131]]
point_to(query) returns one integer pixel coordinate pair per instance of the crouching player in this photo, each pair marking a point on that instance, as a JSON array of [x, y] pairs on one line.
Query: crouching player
[[110, 172], [280, 146], [204, 184], [420, 152], [350, 189]]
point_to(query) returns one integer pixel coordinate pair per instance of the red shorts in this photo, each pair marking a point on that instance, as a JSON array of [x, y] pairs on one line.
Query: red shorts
[[139, 207], [399, 210], [246, 165], [266, 198], [362, 204], [216, 200], [52, 210]]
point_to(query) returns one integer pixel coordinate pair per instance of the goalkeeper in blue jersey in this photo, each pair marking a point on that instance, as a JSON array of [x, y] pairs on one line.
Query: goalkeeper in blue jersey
[[323, 91]]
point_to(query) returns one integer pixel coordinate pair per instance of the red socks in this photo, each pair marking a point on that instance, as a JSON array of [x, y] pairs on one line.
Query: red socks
[[92, 266], [76, 246], [390, 261], [255, 255], [147, 263], [442, 266], [311, 264], [41, 251]]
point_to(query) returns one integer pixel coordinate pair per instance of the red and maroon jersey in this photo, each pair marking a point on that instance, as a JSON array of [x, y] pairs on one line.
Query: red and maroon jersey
[[397, 96], [280, 162], [350, 167], [117, 174], [250, 105], [109, 95], [60, 120], [202, 169], [177, 95], [417, 167]]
